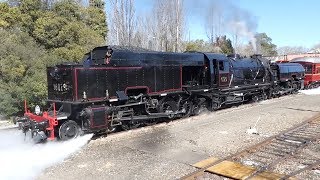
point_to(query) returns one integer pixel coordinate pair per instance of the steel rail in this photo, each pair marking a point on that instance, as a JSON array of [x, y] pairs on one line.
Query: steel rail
[[248, 150], [317, 163]]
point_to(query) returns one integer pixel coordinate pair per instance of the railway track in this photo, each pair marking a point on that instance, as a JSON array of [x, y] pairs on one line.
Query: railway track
[[260, 161]]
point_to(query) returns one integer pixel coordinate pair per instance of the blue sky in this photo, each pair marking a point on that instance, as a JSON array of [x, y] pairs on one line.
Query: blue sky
[[287, 22]]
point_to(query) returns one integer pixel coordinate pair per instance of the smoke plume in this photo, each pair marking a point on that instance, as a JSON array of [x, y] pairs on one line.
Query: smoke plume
[[223, 17], [243, 24], [22, 159]]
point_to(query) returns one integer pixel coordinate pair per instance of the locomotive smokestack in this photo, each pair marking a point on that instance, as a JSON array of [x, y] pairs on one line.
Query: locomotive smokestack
[[256, 56], [234, 56]]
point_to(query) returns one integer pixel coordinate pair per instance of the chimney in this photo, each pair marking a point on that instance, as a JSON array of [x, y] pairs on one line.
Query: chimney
[[256, 56], [234, 56]]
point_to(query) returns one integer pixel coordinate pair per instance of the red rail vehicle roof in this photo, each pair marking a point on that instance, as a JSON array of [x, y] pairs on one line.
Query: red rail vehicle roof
[[307, 59]]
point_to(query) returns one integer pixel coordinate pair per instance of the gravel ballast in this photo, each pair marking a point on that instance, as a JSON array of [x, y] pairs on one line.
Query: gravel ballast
[[167, 151]]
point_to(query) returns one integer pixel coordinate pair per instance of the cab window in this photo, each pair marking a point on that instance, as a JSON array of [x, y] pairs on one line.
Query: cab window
[[221, 66]]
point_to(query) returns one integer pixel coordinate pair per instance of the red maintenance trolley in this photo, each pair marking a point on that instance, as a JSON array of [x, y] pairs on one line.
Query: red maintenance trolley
[[312, 70]]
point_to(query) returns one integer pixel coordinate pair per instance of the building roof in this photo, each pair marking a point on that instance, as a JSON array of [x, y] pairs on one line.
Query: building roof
[[307, 59]]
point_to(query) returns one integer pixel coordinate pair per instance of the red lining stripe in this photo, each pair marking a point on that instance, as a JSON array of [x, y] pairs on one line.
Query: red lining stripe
[[111, 68]]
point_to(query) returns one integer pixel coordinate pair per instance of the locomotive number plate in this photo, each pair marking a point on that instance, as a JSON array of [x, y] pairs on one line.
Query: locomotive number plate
[[60, 87], [224, 79]]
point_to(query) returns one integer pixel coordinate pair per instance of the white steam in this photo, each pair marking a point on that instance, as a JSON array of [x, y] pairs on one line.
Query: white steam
[[227, 18], [241, 29], [24, 160], [242, 24], [311, 91]]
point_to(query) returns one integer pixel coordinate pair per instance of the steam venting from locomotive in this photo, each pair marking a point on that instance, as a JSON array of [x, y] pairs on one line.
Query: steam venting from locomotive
[[242, 23], [231, 19], [22, 159]]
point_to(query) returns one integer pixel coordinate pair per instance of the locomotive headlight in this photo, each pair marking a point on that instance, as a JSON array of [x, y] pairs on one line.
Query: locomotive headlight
[[37, 110]]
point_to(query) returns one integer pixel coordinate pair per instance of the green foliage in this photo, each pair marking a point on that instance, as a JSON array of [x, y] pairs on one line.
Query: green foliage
[[226, 47], [199, 45], [95, 18], [69, 9], [265, 44], [47, 29], [9, 17], [34, 35], [22, 71]]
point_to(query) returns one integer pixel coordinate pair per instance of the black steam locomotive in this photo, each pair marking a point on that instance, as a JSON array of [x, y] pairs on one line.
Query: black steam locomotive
[[122, 87]]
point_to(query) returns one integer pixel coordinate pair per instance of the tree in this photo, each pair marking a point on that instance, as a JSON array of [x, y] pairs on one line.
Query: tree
[[8, 16], [169, 20], [71, 30], [284, 50], [246, 49], [47, 29], [199, 45], [315, 48], [214, 20], [122, 22], [39, 33], [95, 17], [265, 45], [223, 45], [22, 71]]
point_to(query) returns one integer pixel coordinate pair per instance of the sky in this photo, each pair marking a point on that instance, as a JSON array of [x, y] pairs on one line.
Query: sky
[[287, 22]]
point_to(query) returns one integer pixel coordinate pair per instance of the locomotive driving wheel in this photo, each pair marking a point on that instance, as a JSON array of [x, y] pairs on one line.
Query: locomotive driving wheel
[[69, 130], [130, 125], [187, 106], [255, 98], [169, 107]]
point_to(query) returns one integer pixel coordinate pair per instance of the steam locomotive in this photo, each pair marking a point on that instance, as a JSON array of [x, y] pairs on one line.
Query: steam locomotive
[[124, 87]]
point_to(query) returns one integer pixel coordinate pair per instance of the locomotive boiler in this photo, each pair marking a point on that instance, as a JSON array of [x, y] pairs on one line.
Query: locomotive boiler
[[124, 87]]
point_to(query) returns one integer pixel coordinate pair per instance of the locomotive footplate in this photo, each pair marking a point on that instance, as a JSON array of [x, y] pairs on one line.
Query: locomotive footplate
[[40, 124]]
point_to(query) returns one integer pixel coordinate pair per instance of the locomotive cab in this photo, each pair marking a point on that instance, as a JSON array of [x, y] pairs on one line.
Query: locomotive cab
[[224, 73]]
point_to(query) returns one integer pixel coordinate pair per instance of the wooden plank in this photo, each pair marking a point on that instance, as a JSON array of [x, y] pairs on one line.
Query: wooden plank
[[232, 170], [235, 170], [205, 163], [269, 175]]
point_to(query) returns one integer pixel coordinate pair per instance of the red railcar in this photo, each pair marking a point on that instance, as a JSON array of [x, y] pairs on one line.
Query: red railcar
[[312, 70]]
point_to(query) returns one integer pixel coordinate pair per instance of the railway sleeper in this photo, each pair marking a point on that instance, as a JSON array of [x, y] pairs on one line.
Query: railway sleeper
[[282, 144], [308, 135], [284, 150], [253, 162], [293, 139], [301, 137], [275, 152], [264, 155]]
